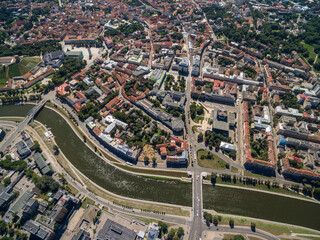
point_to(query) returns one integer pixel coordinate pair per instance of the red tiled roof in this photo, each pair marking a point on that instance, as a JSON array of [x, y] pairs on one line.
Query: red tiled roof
[[61, 90], [96, 131], [80, 95]]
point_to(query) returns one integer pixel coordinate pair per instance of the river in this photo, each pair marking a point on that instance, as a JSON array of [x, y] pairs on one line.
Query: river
[[226, 200], [100, 172], [261, 205]]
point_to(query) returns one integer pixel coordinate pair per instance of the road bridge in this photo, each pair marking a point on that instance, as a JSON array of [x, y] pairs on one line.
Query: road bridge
[[28, 118]]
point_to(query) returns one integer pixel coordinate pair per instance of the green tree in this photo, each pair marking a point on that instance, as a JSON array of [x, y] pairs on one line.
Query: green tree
[[233, 154], [238, 237], [36, 147], [208, 217], [6, 181], [6, 238], [231, 223], [70, 67], [47, 183], [215, 220], [164, 227], [20, 235], [171, 234], [146, 160], [253, 226], [11, 232], [213, 178], [55, 149], [3, 227], [200, 137], [180, 232]]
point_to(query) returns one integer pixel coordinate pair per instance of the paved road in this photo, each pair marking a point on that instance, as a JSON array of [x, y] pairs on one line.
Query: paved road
[[195, 221], [240, 230], [81, 188], [195, 231]]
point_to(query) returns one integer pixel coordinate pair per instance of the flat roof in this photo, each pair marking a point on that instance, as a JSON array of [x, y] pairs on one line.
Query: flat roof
[[21, 201], [115, 231], [220, 125]]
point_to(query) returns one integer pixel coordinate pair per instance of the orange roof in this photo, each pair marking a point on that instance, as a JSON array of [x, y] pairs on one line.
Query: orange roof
[[27, 75], [38, 78], [80, 74], [287, 168], [163, 151], [114, 102], [61, 90], [96, 131], [77, 106], [80, 95], [305, 97]]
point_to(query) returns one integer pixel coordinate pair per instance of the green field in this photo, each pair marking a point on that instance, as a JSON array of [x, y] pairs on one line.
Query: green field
[[214, 163], [3, 78], [27, 64], [14, 70], [310, 48], [21, 68]]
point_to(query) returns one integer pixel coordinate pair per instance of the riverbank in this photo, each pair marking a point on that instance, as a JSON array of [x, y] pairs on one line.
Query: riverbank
[[100, 172], [119, 163], [123, 184], [38, 132], [105, 175], [275, 228], [264, 188], [261, 205]]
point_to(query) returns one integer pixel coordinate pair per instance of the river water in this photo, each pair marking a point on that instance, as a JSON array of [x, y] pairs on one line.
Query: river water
[[262, 205], [226, 200], [99, 171]]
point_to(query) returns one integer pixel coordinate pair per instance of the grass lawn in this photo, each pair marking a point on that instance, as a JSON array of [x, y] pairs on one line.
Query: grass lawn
[[72, 189], [261, 187], [87, 201], [234, 170], [250, 174], [153, 171], [275, 229], [3, 79], [308, 237], [310, 48], [27, 64], [198, 118], [14, 70], [214, 163], [253, 238], [229, 236]]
